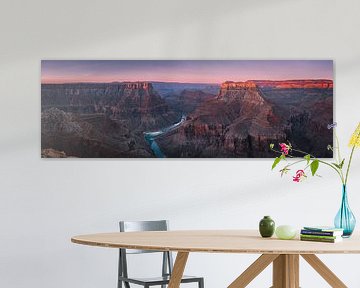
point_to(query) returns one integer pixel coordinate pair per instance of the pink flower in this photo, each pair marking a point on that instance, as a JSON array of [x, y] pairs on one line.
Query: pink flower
[[284, 148], [300, 175]]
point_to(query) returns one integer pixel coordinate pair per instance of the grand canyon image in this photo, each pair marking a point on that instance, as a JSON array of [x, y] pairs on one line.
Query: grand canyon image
[[184, 108]]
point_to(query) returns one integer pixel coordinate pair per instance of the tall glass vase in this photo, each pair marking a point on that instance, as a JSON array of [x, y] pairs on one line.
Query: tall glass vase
[[345, 219]]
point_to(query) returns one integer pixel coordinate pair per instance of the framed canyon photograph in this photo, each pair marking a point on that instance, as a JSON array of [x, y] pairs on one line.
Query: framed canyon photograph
[[184, 108]]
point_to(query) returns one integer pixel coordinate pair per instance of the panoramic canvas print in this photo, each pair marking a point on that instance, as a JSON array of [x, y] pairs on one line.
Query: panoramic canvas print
[[184, 108]]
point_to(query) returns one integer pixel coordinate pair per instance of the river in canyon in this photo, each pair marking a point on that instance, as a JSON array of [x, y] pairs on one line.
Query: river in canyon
[[150, 137]]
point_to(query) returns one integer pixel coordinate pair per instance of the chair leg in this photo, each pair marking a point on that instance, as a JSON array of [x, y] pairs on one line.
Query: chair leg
[[120, 270], [201, 283]]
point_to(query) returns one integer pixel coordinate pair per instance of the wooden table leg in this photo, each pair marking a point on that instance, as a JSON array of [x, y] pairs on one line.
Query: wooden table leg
[[286, 271], [254, 270], [324, 271], [293, 262], [178, 269]]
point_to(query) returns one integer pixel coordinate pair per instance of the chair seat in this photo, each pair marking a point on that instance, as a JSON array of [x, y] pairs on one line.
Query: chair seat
[[158, 280]]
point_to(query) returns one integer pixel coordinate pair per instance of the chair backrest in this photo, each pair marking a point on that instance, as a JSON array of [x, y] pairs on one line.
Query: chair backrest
[[138, 226]]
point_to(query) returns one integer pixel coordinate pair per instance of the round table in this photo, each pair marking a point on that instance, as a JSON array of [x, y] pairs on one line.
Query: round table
[[284, 254]]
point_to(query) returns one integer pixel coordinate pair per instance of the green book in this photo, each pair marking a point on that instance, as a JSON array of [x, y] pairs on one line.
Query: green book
[[319, 236], [325, 240]]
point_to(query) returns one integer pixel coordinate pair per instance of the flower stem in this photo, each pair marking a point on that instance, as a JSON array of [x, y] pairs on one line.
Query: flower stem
[[348, 167], [338, 171], [338, 149], [296, 150], [333, 167], [351, 155], [313, 158], [295, 162], [339, 158]]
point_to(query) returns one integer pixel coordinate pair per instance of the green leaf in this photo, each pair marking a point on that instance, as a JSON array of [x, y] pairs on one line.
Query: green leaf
[[276, 162], [339, 166], [314, 166], [307, 158], [282, 157], [342, 163], [271, 146], [336, 165]]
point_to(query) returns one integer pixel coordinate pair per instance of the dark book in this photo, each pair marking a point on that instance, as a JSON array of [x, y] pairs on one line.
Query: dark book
[[321, 233]]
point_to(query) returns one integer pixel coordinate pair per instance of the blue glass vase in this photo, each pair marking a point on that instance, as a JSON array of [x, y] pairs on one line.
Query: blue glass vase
[[345, 219]]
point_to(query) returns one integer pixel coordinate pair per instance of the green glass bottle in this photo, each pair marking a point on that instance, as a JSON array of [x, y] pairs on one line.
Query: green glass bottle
[[267, 227]]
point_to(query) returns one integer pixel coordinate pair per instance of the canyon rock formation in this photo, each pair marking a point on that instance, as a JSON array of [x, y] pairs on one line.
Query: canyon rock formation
[[233, 119], [136, 103], [101, 119], [238, 122]]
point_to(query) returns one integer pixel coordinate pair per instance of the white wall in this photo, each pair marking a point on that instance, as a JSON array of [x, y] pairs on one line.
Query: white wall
[[44, 202]]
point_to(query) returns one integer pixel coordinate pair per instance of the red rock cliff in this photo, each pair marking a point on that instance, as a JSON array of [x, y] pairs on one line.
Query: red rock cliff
[[288, 84]]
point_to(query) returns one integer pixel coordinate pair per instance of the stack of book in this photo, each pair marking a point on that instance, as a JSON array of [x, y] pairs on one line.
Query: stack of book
[[321, 234]]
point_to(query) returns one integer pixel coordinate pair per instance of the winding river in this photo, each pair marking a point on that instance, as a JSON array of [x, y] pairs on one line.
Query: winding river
[[150, 137]]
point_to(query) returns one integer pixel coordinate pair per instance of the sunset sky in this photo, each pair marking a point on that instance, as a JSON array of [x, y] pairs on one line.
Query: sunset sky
[[188, 71]]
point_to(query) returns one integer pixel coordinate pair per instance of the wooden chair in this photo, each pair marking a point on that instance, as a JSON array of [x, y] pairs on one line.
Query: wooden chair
[[167, 263]]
